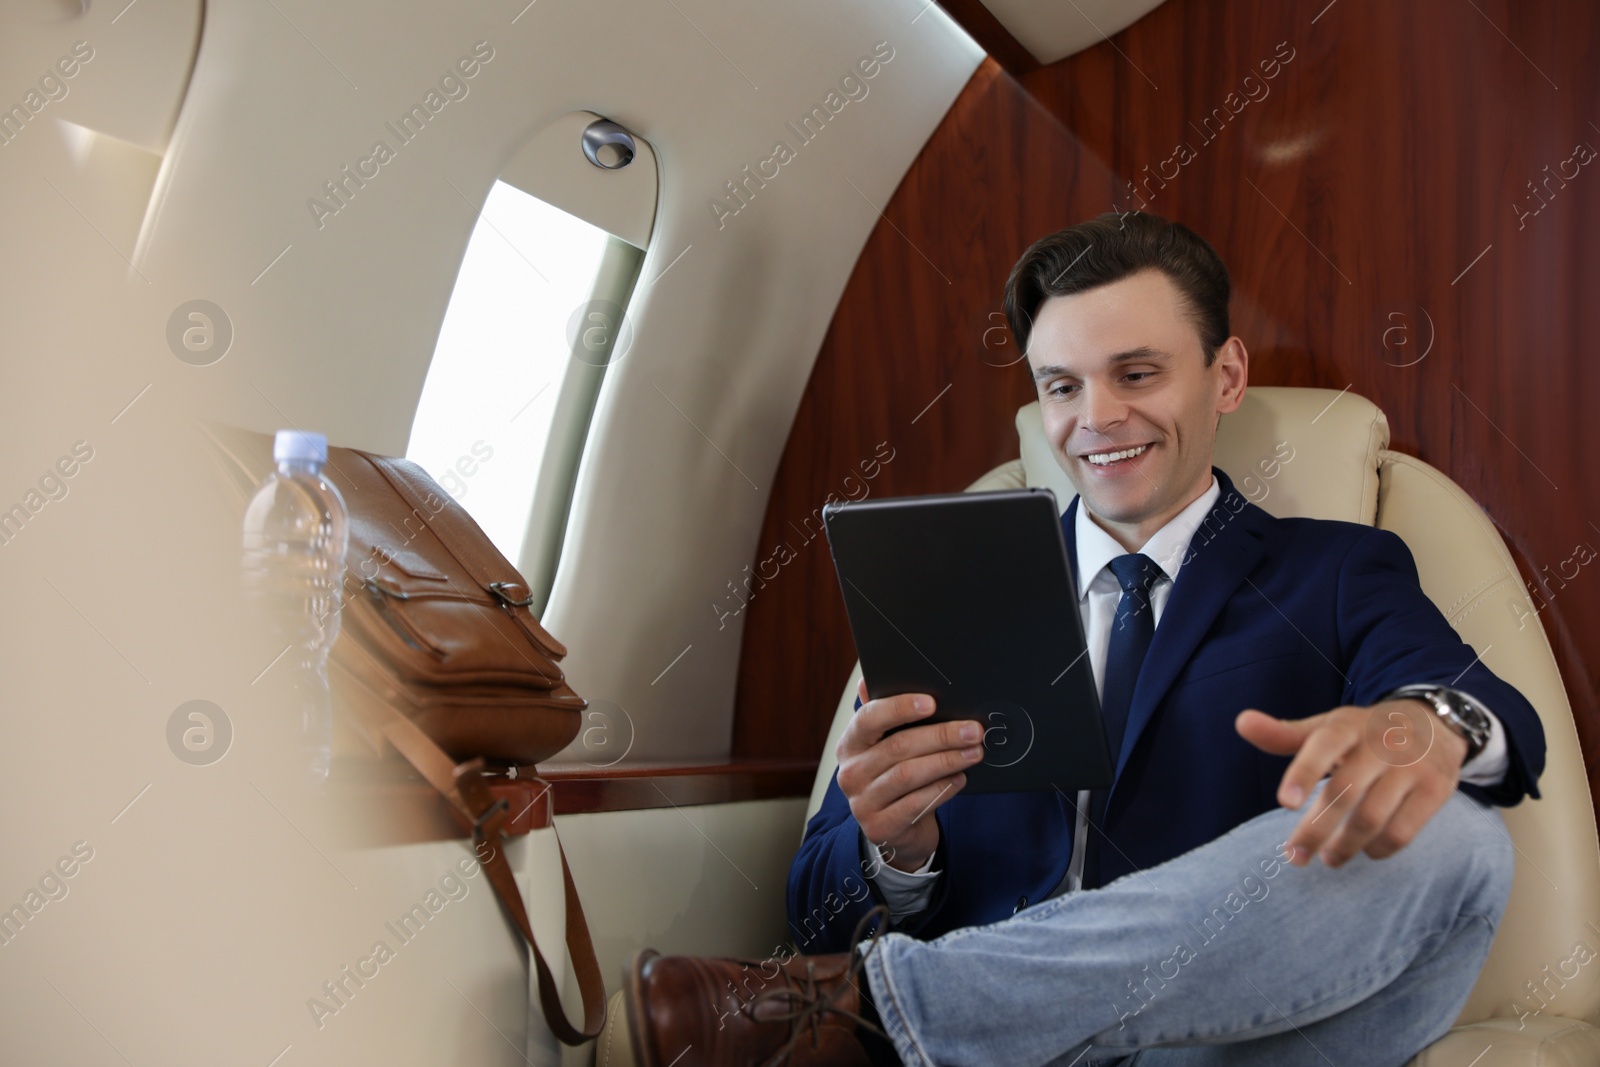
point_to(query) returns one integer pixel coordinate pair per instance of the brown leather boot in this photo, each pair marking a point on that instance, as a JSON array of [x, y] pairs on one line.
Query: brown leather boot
[[693, 1011]]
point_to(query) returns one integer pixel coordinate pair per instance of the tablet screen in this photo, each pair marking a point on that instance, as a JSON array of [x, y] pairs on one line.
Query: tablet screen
[[969, 597]]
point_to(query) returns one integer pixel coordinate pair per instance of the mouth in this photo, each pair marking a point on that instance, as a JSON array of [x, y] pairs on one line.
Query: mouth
[[1114, 458]]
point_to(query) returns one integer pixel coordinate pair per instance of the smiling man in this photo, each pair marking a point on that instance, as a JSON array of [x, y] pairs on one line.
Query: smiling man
[[1298, 860], [1130, 392]]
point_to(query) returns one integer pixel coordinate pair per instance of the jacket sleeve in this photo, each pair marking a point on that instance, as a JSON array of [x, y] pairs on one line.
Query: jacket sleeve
[[1391, 635], [830, 886], [829, 890]]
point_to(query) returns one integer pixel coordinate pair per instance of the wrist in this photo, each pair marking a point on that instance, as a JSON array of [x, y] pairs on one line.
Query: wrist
[[913, 854], [1451, 737], [907, 864], [1463, 716]]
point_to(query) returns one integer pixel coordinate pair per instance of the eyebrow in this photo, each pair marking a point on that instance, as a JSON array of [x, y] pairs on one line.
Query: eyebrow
[[1143, 352]]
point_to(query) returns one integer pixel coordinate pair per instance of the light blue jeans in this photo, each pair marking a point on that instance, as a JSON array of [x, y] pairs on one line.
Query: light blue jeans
[[1224, 955]]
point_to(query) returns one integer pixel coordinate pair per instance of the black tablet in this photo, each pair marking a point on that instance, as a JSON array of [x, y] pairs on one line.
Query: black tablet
[[969, 597]]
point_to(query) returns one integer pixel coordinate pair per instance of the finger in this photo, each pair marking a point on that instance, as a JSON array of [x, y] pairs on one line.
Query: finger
[[907, 776], [921, 739], [1280, 737], [848, 742], [1321, 751], [921, 803], [877, 717], [1368, 817], [1415, 809], [861, 769], [1340, 795]]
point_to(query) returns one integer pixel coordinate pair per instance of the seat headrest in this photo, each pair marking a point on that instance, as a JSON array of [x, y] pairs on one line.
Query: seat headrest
[[1311, 453]]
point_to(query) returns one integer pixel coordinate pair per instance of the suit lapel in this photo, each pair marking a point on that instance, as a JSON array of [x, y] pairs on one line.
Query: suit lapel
[[1224, 550]]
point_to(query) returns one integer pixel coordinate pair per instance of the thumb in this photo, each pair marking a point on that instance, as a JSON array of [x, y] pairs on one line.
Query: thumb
[[1281, 737]]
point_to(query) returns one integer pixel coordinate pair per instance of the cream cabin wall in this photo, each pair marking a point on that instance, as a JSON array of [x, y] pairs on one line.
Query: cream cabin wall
[[220, 900]]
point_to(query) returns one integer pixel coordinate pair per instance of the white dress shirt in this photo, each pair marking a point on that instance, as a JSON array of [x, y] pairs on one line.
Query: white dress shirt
[[908, 892]]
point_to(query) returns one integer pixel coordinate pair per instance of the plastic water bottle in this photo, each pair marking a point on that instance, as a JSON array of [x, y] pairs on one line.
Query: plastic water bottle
[[295, 535]]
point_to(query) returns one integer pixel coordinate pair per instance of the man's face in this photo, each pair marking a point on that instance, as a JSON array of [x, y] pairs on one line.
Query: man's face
[[1130, 407]]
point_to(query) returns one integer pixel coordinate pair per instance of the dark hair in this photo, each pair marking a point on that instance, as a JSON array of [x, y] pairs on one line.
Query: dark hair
[[1110, 248]]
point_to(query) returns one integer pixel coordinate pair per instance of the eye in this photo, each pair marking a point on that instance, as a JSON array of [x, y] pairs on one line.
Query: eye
[[1061, 389]]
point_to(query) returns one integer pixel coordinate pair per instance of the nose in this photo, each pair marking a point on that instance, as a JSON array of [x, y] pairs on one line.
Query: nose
[[1099, 409]]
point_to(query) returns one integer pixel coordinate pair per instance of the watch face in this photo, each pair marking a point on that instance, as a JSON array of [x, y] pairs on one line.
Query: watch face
[[1461, 713], [1474, 723], [1468, 712]]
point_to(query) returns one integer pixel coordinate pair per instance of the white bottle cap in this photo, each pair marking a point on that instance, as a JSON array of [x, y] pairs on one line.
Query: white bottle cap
[[303, 445]]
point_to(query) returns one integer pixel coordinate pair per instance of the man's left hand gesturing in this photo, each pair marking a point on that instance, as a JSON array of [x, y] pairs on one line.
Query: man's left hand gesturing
[[1390, 767]]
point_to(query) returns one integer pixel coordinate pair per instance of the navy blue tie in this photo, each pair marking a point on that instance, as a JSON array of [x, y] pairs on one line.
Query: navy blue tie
[[1131, 631]]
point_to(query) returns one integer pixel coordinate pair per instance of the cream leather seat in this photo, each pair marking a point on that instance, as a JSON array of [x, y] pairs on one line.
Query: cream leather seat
[[1323, 454]]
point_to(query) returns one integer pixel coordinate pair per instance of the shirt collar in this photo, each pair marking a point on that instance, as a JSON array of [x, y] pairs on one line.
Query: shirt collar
[[1166, 547]]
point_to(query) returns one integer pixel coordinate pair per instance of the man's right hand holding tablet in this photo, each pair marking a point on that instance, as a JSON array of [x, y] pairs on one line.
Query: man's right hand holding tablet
[[893, 781]]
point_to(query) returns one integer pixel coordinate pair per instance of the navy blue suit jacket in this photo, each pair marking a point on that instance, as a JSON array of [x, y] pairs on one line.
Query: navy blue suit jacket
[[1291, 616]]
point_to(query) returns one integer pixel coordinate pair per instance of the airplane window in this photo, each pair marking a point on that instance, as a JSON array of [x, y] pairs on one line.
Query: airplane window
[[490, 396]]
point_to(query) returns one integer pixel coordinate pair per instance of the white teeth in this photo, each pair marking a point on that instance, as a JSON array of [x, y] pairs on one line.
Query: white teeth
[[1100, 459]]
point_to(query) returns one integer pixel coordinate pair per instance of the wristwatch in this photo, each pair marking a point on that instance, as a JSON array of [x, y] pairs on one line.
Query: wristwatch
[[1453, 706]]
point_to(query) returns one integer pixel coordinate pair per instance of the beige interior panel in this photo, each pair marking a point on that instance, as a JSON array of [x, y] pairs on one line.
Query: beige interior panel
[[129, 65], [218, 904], [700, 881], [1551, 1041], [1555, 899], [707, 880], [336, 314]]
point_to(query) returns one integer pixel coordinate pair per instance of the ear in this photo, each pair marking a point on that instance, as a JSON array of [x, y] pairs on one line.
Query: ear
[[1232, 367]]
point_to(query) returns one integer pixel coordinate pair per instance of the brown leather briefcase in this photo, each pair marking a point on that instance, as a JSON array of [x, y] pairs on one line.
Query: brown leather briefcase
[[439, 654]]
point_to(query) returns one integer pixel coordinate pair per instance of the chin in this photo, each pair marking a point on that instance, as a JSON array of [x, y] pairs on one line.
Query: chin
[[1115, 508]]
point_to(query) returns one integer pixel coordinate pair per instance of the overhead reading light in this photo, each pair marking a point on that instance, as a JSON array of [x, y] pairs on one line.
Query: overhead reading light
[[612, 183], [607, 145]]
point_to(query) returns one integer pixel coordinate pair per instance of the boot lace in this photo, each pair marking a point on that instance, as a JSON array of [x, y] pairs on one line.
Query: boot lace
[[804, 1008]]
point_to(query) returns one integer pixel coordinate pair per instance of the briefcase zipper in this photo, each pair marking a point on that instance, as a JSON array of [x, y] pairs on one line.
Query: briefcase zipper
[[499, 597]]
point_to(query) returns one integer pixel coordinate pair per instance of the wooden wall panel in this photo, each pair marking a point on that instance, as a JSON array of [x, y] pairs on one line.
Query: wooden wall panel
[[903, 372], [1382, 195], [1387, 190]]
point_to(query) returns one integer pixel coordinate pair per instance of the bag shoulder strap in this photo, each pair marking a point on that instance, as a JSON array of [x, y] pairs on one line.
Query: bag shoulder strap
[[464, 788]]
